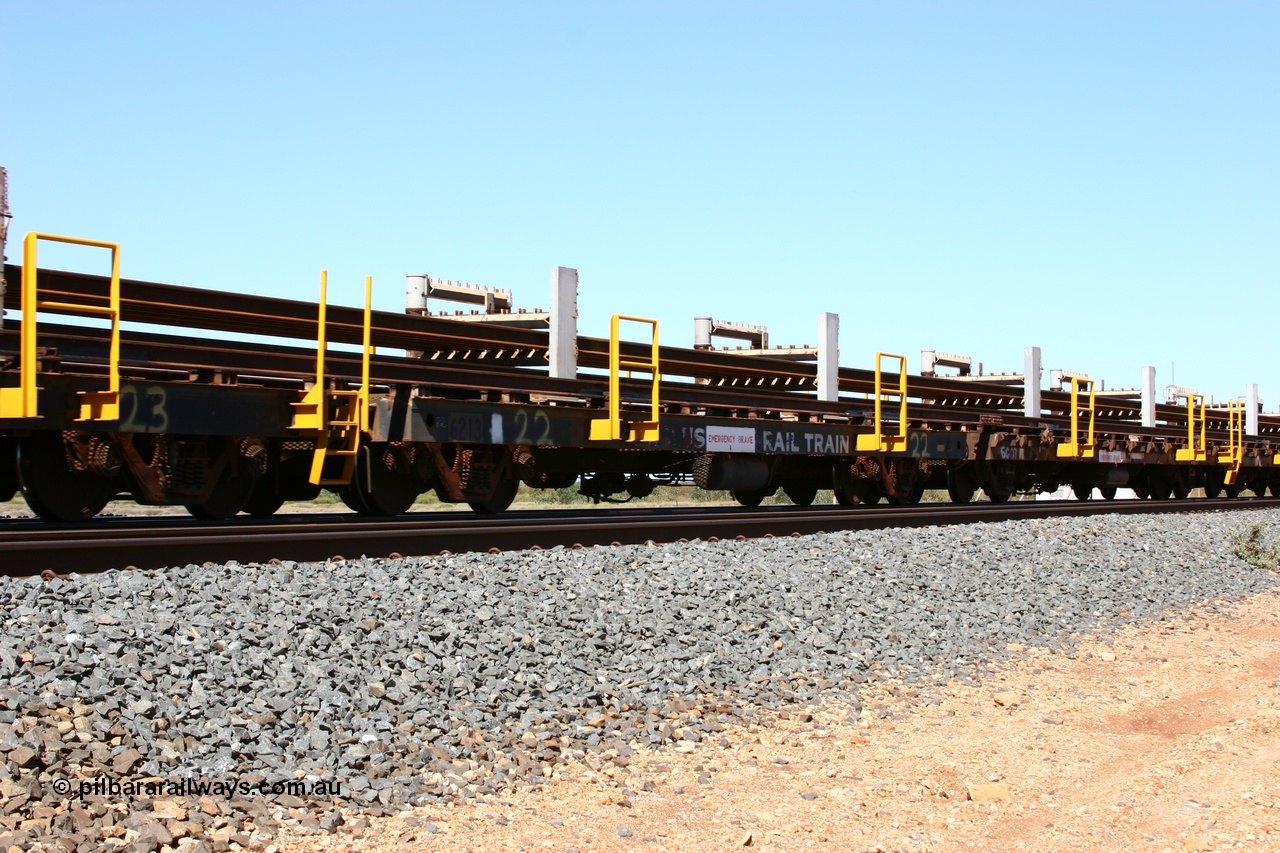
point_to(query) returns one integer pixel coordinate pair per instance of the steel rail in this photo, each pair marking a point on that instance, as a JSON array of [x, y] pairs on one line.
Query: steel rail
[[165, 304], [28, 548], [178, 357], [171, 305], [238, 313]]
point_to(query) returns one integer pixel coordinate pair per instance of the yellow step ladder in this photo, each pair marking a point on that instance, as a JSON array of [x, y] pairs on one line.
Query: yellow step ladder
[[336, 418]]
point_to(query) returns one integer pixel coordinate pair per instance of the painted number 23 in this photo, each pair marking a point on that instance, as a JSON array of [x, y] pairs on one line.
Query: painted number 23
[[143, 410]]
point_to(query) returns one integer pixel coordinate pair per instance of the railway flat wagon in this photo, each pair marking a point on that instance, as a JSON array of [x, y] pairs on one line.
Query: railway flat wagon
[[164, 402]]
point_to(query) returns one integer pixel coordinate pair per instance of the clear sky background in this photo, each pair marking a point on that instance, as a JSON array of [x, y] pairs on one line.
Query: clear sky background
[[1097, 179]]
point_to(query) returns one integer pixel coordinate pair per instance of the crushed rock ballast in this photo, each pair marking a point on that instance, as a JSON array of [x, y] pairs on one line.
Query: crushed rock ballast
[[396, 681]]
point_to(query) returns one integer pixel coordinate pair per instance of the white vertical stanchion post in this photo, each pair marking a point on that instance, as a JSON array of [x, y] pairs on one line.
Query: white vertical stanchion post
[[702, 333], [828, 357], [1148, 396], [563, 343], [415, 294], [1031, 382], [1251, 409], [415, 302]]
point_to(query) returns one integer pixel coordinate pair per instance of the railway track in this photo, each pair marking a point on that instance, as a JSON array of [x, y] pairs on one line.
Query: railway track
[[31, 547]]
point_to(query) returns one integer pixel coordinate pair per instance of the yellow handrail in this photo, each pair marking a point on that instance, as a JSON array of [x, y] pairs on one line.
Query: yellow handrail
[[336, 418], [610, 429], [22, 402], [877, 440], [1074, 447], [1234, 455], [366, 348], [362, 398], [1194, 452]]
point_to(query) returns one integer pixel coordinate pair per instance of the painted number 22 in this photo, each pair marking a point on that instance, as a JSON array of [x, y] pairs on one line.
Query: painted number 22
[[540, 420]]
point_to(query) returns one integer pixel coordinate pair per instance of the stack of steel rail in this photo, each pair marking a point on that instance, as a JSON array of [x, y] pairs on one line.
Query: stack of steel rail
[[470, 410]]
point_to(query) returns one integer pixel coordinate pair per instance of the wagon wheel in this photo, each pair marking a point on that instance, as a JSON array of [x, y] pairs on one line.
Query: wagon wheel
[[800, 494], [960, 486], [8, 469], [998, 496], [228, 497], [751, 497], [375, 487], [1159, 488], [52, 490], [266, 497], [502, 497], [1082, 492], [847, 495], [913, 496], [1108, 492], [903, 482], [352, 500]]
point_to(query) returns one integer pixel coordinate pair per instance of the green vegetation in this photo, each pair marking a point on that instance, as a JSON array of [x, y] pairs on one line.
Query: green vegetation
[[1250, 544]]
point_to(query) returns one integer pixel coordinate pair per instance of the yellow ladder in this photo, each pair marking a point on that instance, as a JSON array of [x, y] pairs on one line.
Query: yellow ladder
[[1076, 448], [1194, 452], [21, 402], [610, 428], [1233, 458], [336, 418], [877, 441]]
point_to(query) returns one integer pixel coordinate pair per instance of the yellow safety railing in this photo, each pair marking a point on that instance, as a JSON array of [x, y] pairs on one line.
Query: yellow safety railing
[[337, 418], [1076, 448], [21, 402], [610, 429], [878, 441], [1233, 457], [1195, 451]]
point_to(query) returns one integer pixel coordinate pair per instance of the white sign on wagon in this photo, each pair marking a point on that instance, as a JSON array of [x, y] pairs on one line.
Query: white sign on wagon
[[731, 439]]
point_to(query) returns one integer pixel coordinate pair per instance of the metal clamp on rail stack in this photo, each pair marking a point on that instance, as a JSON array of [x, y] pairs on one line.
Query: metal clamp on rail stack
[[611, 428], [23, 401]]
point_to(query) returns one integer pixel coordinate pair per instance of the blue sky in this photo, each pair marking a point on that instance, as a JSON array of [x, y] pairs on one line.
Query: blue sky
[[1098, 179]]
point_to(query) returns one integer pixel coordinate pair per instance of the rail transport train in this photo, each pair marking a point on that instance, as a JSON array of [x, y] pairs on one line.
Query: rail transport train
[[150, 404]]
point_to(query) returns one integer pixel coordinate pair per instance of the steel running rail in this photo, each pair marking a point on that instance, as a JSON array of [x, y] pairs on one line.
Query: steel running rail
[[28, 548]]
